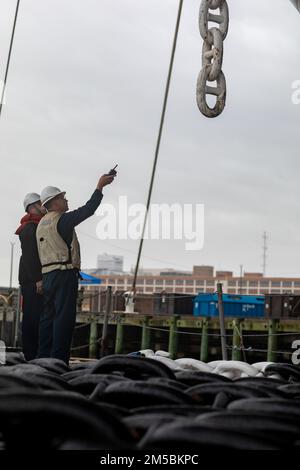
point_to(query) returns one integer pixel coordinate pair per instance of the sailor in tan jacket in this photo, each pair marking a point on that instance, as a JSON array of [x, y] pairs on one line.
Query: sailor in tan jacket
[[59, 253]]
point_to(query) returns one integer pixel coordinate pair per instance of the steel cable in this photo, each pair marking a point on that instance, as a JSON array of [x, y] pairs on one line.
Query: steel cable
[[9, 56]]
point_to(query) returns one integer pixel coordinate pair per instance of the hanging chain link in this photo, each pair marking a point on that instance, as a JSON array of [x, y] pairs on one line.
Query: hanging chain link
[[212, 56], [296, 3]]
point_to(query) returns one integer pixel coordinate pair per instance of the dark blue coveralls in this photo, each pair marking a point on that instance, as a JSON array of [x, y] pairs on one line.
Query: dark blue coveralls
[[60, 291]]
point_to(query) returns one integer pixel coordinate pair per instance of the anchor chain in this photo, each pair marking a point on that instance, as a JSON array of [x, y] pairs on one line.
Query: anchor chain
[[212, 56]]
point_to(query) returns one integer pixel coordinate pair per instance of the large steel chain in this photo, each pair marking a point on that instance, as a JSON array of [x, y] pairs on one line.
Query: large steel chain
[[296, 3], [212, 56]]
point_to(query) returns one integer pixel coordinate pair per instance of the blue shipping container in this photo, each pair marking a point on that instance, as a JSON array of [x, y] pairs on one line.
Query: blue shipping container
[[243, 306]]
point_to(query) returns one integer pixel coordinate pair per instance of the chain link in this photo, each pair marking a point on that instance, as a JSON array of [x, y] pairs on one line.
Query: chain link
[[296, 3], [212, 56]]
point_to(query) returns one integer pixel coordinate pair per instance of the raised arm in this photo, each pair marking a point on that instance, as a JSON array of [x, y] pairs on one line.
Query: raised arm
[[71, 219]]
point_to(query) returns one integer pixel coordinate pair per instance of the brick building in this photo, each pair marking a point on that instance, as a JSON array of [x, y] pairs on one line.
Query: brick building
[[202, 279]]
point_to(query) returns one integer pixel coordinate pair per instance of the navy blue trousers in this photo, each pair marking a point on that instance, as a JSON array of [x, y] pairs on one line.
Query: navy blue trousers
[[32, 310], [59, 314]]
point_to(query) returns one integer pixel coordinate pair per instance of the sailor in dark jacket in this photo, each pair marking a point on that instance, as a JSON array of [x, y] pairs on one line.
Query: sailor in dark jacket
[[30, 274]]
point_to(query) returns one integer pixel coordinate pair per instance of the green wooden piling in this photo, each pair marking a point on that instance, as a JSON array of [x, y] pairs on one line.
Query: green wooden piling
[[272, 341], [204, 341], [107, 312], [146, 334], [119, 336], [222, 321], [236, 340], [173, 337], [93, 345]]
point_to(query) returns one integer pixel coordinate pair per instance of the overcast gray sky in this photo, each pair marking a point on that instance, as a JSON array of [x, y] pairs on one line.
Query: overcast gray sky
[[85, 92]]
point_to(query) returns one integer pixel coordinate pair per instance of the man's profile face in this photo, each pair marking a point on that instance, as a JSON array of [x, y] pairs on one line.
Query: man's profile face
[[36, 208], [60, 203], [41, 209]]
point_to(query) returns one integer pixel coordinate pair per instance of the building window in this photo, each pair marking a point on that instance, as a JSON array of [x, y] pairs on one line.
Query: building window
[[253, 283], [200, 283], [169, 282], [179, 282], [157, 290], [297, 284], [210, 283], [275, 283], [189, 290], [264, 283], [286, 284], [150, 282], [232, 283], [189, 283]]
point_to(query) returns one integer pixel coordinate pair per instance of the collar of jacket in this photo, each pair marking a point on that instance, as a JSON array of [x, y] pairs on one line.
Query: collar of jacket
[[27, 219]]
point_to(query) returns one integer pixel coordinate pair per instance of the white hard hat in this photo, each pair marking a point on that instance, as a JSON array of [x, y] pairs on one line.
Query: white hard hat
[[49, 193], [30, 198]]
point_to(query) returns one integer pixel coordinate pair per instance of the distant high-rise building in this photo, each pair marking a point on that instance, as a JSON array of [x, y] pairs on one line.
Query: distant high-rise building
[[110, 264]]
